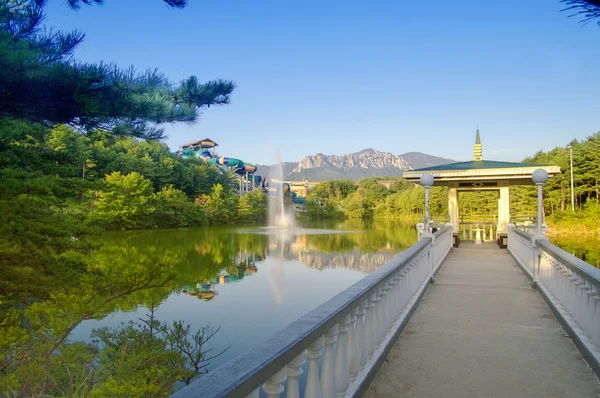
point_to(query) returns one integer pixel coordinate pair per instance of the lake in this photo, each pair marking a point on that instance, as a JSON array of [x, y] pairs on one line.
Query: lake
[[254, 281], [249, 281]]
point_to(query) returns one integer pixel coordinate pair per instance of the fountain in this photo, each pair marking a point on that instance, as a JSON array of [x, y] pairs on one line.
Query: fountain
[[279, 216]]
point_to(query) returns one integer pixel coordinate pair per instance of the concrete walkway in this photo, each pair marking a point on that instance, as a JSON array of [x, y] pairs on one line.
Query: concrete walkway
[[481, 331]]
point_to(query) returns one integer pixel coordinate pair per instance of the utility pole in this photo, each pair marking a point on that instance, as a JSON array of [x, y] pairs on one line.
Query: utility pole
[[572, 190]]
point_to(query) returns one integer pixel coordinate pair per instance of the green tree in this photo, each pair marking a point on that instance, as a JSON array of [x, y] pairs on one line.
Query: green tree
[[355, 206], [221, 205], [41, 83], [174, 209], [252, 207], [125, 201]]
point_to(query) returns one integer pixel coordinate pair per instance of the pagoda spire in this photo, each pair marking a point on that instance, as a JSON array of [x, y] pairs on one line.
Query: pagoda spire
[[477, 148]]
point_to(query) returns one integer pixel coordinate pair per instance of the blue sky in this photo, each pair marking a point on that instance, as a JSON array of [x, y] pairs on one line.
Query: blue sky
[[340, 76]]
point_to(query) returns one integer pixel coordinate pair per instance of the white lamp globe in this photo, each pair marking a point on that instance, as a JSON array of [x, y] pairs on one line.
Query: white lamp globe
[[426, 180], [539, 176]]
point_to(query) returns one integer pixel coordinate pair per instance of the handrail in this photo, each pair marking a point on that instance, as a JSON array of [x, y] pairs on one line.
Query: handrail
[[573, 263], [570, 286], [386, 298]]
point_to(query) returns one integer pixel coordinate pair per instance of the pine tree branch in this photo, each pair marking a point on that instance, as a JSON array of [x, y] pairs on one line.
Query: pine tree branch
[[588, 10]]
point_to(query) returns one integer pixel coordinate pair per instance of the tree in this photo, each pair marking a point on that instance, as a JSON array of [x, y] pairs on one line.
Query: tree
[[252, 207], [588, 10], [124, 202], [174, 209], [75, 4], [41, 83], [221, 205]]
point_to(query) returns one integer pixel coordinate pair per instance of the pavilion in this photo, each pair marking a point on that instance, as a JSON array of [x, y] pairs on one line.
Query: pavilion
[[481, 175]]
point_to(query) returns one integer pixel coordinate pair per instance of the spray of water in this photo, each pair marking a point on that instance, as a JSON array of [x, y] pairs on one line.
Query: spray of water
[[279, 215]]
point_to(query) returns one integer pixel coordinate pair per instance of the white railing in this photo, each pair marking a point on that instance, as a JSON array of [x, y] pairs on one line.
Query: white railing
[[522, 246], [488, 230], [348, 336], [570, 286]]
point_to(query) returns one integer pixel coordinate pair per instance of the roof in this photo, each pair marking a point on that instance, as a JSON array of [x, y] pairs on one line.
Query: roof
[[205, 143], [479, 165], [487, 173]]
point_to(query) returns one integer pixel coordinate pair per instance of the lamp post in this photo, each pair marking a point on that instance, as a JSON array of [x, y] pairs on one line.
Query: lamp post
[[426, 181], [572, 190], [539, 177]]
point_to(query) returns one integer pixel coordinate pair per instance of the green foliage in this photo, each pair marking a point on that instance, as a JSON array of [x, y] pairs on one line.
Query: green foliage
[[221, 205], [252, 207], [41, 83], [355, 206], [124, 202], [174, 209]]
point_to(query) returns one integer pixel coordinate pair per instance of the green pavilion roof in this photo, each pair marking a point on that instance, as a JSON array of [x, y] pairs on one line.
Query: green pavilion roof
[[479, 165]]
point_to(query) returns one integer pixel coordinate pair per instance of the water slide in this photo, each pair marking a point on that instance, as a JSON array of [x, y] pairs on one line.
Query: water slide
[[246, 172]]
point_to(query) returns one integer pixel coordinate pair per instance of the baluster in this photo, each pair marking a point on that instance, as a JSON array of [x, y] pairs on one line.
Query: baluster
[[404, 288], [362, 332], [409, 284], [383, 304], [354, 343], [254, 394], [464, 232], [377, 318], [566, 277], [399, 291], [558, 280], [274, 386], [471, 232], [483, 237], [294, 370], [313, 385], [393, 309], [342, 376], [589, 309], [572, 295], [492, 233], [578, 299], [596, 318], [328, 389], [369, 325]]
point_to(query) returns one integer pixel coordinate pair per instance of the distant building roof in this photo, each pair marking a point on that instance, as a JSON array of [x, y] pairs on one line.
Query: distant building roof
[[482, 172], [205, 143], [479, 165]]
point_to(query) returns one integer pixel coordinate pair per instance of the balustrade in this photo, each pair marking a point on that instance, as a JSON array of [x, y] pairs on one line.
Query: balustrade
[[350, 332], [569, 285], [488, 230]]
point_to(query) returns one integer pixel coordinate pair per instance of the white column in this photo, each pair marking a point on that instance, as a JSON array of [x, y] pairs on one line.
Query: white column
[[503, 209], [453, 208], [362, 334], [328, 389], [313, 385], [354, 343], [294, 370], [342, 376], [274, 386]]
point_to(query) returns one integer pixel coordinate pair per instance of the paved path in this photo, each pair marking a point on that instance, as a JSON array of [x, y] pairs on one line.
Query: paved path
[[481, 331]]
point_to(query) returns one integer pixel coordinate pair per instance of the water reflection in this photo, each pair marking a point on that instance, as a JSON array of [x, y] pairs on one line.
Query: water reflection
[[252, 282]]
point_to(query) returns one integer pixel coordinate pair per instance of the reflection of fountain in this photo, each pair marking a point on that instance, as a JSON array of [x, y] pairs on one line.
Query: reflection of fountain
[[276, 270]]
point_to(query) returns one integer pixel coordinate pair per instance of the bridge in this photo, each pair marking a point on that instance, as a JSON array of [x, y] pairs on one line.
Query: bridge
[[444, 318], [522, 321]]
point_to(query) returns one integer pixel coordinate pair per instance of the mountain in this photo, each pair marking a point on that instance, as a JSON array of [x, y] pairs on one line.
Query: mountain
[[354, 166]]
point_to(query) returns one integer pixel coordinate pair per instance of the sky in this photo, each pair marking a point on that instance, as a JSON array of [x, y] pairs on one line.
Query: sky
[[337, 77]]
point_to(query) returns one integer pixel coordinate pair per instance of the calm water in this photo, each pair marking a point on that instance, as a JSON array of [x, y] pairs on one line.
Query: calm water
[[251, 281]]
